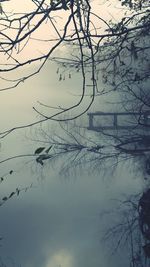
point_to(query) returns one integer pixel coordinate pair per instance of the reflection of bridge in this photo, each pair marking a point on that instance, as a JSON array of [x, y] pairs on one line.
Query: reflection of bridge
[[118, 120]]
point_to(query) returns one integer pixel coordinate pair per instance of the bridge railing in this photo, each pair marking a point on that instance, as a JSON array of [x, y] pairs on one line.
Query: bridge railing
[[119, 120]]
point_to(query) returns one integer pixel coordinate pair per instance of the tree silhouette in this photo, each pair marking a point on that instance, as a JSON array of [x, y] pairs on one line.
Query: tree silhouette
[[115, 53]]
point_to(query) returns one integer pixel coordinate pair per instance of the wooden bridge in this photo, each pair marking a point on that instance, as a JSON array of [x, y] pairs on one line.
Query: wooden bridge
[[118, 120]]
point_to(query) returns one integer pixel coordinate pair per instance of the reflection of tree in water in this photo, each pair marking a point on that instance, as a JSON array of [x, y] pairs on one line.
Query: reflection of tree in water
[[13, 193], [144, 219], [132, 229], [10, 263], [75, 147]]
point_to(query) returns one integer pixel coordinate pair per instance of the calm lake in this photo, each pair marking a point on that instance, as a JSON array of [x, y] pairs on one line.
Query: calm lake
[[61, 219]]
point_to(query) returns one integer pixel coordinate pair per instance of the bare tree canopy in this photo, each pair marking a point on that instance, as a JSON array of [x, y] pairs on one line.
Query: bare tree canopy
[[116, 53]]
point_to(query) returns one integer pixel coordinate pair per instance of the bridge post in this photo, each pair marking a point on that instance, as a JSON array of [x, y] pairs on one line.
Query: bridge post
[[90, 120], [115, 121]]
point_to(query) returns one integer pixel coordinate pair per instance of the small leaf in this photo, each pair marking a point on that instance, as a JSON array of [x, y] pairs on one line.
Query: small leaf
[[1, 9], [4, 198], [11, 194], [11, 172], [47, 150], [39, 160], [64, 5], [17, 191], [39, 150]]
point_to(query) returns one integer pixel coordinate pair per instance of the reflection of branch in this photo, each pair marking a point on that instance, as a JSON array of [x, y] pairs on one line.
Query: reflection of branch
[[16, 192], [126, 231]]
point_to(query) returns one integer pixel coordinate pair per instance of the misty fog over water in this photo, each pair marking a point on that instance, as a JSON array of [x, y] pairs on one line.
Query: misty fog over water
[[59, 221]]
